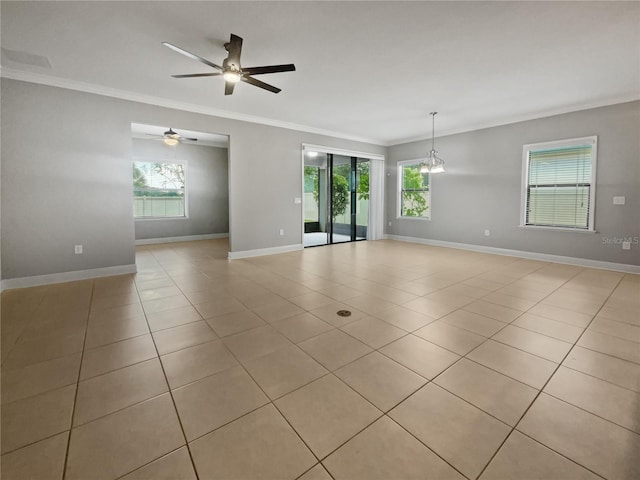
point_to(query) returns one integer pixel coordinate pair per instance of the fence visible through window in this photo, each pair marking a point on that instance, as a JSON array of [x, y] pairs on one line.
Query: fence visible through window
[[158, 206], [158, 189]]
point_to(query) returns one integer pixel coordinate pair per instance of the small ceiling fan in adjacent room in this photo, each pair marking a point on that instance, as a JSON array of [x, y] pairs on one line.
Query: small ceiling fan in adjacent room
[[170, 137], [231, 69]]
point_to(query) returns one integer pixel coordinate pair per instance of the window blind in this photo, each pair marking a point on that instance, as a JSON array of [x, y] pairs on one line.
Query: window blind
[[559, 187]]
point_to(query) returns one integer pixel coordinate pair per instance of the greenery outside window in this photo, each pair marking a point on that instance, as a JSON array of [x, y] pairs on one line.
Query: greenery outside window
[[414, 191], [559, 184], [311, 189], [158, 189]]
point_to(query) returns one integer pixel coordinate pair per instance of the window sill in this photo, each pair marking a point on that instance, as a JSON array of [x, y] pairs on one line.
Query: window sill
[[556, 229], [414, 218], [145, 219]]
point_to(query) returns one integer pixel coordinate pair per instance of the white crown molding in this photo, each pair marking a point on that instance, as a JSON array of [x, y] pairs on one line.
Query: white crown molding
[[185, 238], [521, 118], [32, 77], [53, 81], [24, 282], [259, 252], [544, 257]]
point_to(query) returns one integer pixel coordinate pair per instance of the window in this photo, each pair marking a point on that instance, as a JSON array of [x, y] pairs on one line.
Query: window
[[559, 184], [158, 190], [413, 186]]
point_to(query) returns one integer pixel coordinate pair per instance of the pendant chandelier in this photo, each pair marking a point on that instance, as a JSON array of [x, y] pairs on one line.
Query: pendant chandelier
[[433, 163]]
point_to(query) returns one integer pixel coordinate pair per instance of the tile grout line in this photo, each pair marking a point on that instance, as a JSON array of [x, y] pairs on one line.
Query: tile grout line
[[433, 382], [543, 387], [527, 385], [117, 369], [329, 372], [324, 469], [242, 365], [270, 401], [332, 372], [75, 398], [506, 324], [301, 387], [557, 453], [148, 463], [602, 379], [29, 322], [593, 317], [45, 391], [466, 401], [384, 414], [609, 354], [120, 409], [539, 390], [422, 443], [593, 414], [164, 373]]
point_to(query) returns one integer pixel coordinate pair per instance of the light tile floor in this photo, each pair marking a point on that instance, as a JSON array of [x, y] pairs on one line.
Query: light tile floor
[[453, 364]]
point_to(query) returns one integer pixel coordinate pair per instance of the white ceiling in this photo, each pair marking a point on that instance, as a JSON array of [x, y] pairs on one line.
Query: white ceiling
[[365, 70]]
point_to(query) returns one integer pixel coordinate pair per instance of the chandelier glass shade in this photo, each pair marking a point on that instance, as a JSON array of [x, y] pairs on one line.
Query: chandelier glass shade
[[433, 163]]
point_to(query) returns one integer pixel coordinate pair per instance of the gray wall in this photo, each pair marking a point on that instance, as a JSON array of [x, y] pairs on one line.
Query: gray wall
[[207, 189], [64, 182], [66, 177], [481, 188]]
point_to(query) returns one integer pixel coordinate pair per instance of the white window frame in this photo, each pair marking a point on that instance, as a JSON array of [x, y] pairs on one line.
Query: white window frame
[[401, 165], [185, 166], [571, 142]]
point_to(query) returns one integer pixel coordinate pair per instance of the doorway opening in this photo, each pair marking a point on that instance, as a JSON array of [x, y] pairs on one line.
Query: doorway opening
[[180, 184], [336, 198]]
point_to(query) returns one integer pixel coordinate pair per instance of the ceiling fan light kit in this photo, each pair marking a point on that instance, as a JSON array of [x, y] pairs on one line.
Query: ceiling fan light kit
[[172, 138], [433, 163], [231, 70], [233, 77]]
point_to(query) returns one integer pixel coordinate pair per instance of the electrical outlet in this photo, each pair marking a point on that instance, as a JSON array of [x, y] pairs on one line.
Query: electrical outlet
[[626, 245], [487, 233], [77, 249], [282, 232], [619, 200], [389, 223]]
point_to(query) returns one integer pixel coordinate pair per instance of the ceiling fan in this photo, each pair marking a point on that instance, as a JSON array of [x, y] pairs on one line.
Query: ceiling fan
[[231, 69], [170, 137]]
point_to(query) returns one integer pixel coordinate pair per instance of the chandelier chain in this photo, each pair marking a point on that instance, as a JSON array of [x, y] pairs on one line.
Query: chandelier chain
[[433, 129]]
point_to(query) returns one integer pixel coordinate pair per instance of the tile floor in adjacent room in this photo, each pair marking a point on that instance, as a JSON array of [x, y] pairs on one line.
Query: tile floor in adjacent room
[[452, 365]]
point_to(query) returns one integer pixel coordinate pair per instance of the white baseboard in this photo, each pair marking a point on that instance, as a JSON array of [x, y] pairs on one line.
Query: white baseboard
[[185, 238], [265, 251], [545, 257], [24, 282]]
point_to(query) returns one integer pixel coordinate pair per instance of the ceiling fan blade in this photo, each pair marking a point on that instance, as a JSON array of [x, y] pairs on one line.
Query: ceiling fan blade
[[290, 67], [258, 83], [234, 47], [228, 87], [191, 55], [189, 139], [194, 75]]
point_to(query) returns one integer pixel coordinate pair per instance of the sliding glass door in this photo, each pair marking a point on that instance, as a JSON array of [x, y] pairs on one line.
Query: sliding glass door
[[315, 200], [336, 198]]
